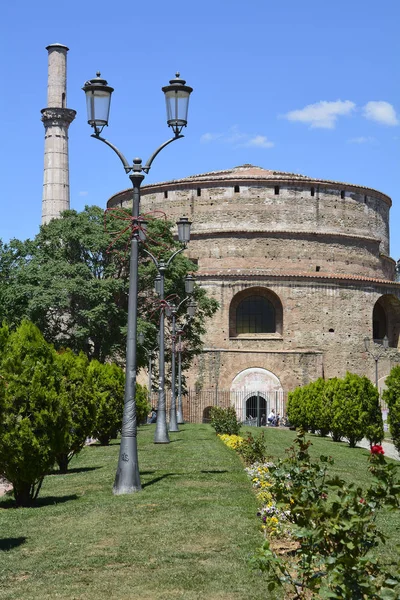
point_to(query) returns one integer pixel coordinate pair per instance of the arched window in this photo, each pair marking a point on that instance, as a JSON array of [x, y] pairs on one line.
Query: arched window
[[386, 319], [255, 311], [379, 322], [255, 314]]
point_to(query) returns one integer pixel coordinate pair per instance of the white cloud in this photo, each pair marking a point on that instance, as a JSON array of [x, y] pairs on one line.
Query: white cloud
[[361, 140], [210, 137], [381, 112], [83, 193], [321, 114], [259, 141], [234, 137]]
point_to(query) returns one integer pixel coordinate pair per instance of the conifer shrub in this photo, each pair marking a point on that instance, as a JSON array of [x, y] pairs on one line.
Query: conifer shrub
[[392, 396], [355, 410], [33, 416], [107, 382], [79, 402], [331, 386], [318, 418], [297, 408]]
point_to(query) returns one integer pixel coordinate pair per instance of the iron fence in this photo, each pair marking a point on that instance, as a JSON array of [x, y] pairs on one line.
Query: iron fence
[[252, 407]]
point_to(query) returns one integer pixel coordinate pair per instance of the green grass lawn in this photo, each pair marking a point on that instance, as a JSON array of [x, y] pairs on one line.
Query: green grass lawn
[[188, 534]]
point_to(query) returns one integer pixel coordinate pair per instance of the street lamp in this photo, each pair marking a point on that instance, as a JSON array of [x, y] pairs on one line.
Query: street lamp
[[98, 99], [161, 433], [171, 311], [376, 355]]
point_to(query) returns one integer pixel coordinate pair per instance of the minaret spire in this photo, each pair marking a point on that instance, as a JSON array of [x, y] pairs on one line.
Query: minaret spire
[[56, 119]]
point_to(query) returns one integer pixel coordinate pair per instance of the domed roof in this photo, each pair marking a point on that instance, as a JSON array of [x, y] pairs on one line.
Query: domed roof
[[245, 171], [243, 174]]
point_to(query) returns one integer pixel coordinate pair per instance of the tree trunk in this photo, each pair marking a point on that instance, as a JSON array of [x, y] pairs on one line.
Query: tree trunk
[[23, 494], [62, 461]]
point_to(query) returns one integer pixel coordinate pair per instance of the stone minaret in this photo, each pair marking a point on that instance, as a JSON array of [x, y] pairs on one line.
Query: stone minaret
[[56, 119]]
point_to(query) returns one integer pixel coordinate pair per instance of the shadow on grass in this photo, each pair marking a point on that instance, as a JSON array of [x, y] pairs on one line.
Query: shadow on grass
[[75, 470], [157, 479], [215, 471], [40, 502], [10, 543]]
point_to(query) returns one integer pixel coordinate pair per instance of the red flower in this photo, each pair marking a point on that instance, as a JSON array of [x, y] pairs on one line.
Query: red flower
[[362, 501], [377, 449]]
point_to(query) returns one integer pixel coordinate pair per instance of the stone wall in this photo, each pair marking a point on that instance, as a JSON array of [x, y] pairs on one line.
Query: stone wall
[[320, 248]]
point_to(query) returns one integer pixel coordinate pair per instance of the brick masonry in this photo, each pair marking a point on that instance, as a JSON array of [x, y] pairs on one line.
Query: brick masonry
[[319, 250]]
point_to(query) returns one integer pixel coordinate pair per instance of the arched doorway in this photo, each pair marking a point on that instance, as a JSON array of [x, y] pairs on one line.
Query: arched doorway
[[254, 392], [207, 414], [257, 409]]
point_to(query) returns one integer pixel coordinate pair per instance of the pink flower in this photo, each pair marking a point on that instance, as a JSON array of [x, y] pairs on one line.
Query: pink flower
[[377, 449]]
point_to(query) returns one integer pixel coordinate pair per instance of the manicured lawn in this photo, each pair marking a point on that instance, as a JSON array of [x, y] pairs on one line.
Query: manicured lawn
[[187, 535]]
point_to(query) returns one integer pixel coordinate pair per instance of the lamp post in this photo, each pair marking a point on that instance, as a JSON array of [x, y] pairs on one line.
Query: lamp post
[[161, 433], [98, 100], [191, 312], [381, 351], [171, 310]]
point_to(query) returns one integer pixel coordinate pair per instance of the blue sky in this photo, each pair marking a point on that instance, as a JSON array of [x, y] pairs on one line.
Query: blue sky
[[310, 87]]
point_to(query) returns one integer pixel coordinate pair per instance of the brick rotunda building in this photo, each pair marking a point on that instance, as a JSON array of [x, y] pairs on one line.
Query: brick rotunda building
[[301, 270]]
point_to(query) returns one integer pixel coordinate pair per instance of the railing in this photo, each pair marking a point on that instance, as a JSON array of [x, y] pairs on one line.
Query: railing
[[252, 407]]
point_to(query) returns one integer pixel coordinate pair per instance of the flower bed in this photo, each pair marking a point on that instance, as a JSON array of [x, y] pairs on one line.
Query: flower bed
[[320, 531]]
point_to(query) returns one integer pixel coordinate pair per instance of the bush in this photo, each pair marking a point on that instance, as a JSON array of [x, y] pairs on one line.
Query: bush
[[318, 412], [296, 408], [33, 417], [330, 390], [356, 411], [253, 449], [392, 396], [142, 404], [332, 526], [80, 403], [224, 420], [107, 384]]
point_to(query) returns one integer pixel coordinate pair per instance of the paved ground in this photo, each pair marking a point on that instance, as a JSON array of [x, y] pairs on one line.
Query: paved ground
[[390, 450]]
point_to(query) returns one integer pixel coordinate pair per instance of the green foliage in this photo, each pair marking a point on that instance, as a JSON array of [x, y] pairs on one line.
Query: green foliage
[[318, 410], [392, 396], [334, 526], [355, 409], [72, 282], [142, 403], [79, 402], [107, 384], [33, 416], [346, 407], [224, 420], [253, 448], [330, 390], [297, 408]]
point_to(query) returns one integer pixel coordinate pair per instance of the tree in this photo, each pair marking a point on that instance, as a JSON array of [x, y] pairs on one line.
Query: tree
[[392, 396], [356, 411], [318, 416], [297, 409], [33, 417], [79, 401], [72, 282], [330, 390], [107, 384]]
